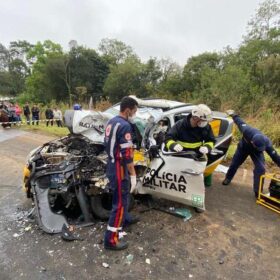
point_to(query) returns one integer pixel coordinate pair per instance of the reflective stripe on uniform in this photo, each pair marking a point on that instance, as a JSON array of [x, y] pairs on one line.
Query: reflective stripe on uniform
[[169, 143], [113, 141], [210, 144], [126, 145], [190, 145], [114, 229]]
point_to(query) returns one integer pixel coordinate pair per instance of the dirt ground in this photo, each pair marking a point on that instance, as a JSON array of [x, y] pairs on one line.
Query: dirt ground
[[233, 239]]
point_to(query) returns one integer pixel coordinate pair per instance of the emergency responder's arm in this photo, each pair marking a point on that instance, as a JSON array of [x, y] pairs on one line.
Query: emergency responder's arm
[[240, 123], [172, 136], [273, 154], [126, 148]]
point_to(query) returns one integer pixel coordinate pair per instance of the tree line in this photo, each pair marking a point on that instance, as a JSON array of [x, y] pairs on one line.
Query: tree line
[[246, 78]]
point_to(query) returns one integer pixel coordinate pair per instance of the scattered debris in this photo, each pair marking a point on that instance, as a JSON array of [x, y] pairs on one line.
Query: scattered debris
[[221, 168], [141, 248], [129, 259], [105, 265], [148, 261], [190, 276], [28, 228]]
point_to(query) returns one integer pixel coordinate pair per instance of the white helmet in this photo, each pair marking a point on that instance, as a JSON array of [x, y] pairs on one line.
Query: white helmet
[[203, 112]]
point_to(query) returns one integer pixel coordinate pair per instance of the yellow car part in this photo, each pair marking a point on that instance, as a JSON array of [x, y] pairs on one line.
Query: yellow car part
[[26, 175], [266, 200]]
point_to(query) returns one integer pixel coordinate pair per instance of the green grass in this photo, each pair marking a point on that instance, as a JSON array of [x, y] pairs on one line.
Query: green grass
[[233, 147], [50, 130]]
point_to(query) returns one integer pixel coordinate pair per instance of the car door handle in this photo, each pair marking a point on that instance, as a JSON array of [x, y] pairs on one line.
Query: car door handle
[[190, 172]]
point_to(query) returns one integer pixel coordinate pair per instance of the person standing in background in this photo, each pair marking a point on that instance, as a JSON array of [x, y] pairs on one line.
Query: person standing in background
[[18, 112], [26, 112], [12, 113], [57, 115], [49, 116], [35, 114]]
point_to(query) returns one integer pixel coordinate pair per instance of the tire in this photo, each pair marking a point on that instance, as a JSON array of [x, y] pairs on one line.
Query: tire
[[199, 210], [101, 205]]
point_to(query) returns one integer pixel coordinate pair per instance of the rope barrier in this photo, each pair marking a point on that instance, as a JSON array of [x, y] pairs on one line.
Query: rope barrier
[[29, 122]]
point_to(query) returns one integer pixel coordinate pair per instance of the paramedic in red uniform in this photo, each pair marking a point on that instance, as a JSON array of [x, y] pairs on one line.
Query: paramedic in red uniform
[[120, 171]]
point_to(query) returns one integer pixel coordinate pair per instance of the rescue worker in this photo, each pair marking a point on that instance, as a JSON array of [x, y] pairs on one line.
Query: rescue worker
[[120, 171], [192, 132], [253, 143]]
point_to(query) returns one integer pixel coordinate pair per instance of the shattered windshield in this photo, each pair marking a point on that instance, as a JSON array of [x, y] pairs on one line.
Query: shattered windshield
[[143, 115]]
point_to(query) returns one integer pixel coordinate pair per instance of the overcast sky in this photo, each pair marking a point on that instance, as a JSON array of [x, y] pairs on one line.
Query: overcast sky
[[176, 29]]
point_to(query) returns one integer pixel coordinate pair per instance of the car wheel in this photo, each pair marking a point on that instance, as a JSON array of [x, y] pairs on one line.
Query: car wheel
[[101, 205]]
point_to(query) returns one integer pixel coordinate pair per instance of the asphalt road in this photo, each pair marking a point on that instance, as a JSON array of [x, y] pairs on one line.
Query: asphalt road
[[233, 239]]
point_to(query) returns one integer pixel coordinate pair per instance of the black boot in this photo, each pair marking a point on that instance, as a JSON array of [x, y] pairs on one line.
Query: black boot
[[132, 221], [121, 245], [226, 182]]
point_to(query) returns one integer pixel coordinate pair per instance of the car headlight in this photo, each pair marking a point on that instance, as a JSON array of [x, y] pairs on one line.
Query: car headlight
[[29, 157]]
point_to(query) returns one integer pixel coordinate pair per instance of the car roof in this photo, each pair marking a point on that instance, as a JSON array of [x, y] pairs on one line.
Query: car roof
[[158, 103]]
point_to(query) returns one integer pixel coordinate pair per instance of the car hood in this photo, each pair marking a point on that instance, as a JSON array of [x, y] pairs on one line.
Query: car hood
[[91, 124]]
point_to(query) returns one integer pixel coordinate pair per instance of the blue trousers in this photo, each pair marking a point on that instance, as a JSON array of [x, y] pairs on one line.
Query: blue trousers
[[242, 152], [119, 212]]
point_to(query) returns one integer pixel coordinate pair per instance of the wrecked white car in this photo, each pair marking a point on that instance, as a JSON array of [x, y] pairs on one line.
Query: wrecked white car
[[66, 177]]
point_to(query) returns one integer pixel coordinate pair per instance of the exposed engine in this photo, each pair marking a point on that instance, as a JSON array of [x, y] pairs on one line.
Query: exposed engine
[[70, 170]]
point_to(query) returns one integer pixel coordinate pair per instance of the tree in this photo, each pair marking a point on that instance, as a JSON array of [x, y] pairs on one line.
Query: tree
[[39, 56], [265, 20], [171, 79], [115, 51], [268, 73], [149, 78], [87, 69], [14, 70], [195, 66], [122, 80], [19, 50], [4, 58]]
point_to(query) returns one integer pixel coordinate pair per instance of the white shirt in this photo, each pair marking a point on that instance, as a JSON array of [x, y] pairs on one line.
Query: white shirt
[[57, 114]]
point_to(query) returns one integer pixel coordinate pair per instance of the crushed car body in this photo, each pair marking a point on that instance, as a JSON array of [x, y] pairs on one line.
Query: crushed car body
[[66, 177]]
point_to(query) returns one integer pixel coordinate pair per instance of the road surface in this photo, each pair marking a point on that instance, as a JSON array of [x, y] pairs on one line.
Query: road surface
[[233, 239]]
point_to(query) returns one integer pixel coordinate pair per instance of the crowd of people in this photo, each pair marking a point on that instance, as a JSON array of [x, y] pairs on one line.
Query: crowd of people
[[31, 114]]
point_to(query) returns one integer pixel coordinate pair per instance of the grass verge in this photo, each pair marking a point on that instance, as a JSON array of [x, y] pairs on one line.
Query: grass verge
[[47, 130]]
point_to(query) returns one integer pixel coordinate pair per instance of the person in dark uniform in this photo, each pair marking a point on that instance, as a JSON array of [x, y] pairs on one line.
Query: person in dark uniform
[[26, 112], [192, 132], [49, 116], [120, 171], [35, 114], [253, 143]]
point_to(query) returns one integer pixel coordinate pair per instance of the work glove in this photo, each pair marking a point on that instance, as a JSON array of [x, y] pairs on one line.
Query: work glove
[[133, 183], [203, 150], [175, 147], [230, 112]]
